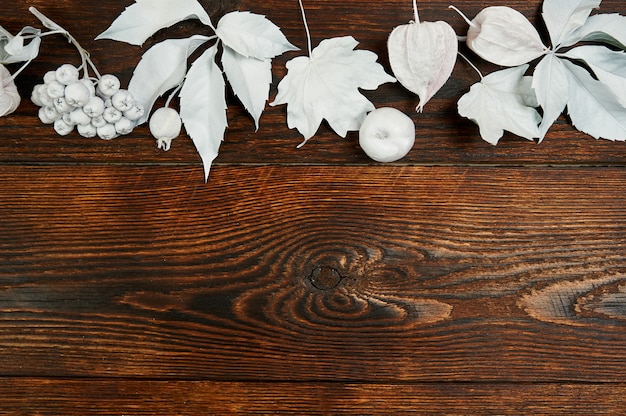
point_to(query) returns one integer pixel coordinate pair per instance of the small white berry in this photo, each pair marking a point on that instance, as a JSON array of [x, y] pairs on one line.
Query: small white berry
[[45, 99], [62, 105], [55, 89], [89, 84], [62, 128], [107, 132], [35, 95], [123, 100], [67, 74], [87, 130], [98, 121], [52, 114], [49, 77], [108, 85], [124, 126], [67, 117], [43, 116], [165, 125], [77, 94], [112, 115], [136, 112], [78, 116], [95, 107]]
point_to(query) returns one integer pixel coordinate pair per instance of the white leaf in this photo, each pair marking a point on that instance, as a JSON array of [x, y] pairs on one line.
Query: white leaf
[[144, 18], [501, 102], [9, 96], [252, 35], [562, 17], [203, 107], [608, 66], [593, 107], [250, 79], [13, 49], [162, 67], [606, 28], [422, 56], [551, 87], [325, 86]]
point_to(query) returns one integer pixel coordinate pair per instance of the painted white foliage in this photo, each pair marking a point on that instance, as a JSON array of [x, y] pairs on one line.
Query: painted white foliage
[[562, 17], [250, 79], [14, 49], [252, 35], [503, 100], [9, 96], [145, 17], [325, 85], [154, 75], [203, 107], [605, 28], [552, 89]]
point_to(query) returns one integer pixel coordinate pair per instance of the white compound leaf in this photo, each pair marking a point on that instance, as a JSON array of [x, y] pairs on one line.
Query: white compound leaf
[[14, 48], [593, 107], [252, 35], [604, 28], [326, 86], [551, 86], [250, 79], [608, 66], [161, 68], [562, 17], [203, 107], [145, 17], [503, 100]]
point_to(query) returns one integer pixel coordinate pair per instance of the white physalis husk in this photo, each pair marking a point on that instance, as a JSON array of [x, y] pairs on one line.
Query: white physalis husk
[[503, 36], [9, 96], [422, 56]]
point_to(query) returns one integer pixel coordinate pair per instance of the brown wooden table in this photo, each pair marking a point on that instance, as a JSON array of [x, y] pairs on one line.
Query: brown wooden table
[[465, 279]]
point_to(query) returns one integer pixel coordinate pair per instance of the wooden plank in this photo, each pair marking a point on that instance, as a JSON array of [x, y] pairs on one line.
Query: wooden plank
[[100, 397], [363, 274], [442, 135]]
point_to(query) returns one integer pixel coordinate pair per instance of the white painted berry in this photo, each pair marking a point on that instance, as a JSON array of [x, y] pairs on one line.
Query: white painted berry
[[98, 121], [55, 89], [49, 77], [135, 113], [107, 132], [62, 128], [62, 105], [387, 134], [112, 115], [67, 74], [95, 107], [165, 125], [87, 130], [124, 126], [108, 85], [123, 100], [77, 94], [78, 116]]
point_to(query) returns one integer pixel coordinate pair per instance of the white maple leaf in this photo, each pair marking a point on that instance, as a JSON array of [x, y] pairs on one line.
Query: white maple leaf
[[252, 35], [155, 75], [562, 17], [503, 100], [593, 107], [325, 85], [145, 17], [250, 79], [203, 107]]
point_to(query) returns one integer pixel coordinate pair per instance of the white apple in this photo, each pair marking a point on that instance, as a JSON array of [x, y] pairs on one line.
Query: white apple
[[387, 134]]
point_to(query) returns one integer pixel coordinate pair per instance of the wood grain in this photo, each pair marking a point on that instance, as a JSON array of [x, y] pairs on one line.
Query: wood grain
[[101, 397], [313, 273]]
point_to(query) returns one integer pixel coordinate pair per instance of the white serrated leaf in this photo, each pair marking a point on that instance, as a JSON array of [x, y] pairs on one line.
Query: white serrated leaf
[[203, 107], [250, 79], [326, 86], [144, 18], [562, 17], [252, 35], [13, 49], [605, 28], [592, 106], [551, 87], [161, 68], [501, 102], [608, 66]]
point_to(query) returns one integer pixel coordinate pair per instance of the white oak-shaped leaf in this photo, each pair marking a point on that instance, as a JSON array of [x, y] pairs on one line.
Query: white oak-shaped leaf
[[422, 56], [592, 106], [203, 107], [13, 48], [552, 89], [562, 17], [326, 86], [503, 100], [604, 28], [252, 35], [161, 68], [607, 65], [250, 79], [145, 17]]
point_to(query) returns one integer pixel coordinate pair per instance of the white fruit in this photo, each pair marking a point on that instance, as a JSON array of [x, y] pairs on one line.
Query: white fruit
[[387, 134], [108, 85], [87, 130], [95, 107], [165, 125], [67, 74], [55, 89], [124, 126], [123, 100], [107, 132], [77, 94], [62, 128], [112, 115]]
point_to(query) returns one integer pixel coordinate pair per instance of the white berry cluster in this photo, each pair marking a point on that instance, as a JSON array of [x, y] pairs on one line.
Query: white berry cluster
[[99, 108]]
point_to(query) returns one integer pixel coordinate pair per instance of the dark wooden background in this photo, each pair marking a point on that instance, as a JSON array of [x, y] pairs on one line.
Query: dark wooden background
[[464, 279]]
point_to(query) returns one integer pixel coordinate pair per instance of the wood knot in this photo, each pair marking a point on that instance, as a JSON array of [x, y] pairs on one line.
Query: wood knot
[[325, 278]]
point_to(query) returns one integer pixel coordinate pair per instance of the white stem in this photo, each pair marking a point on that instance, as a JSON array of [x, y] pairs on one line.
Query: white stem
[[469, 22], [174, 92], [417, 17], [16, 73], [306, 27], [474, 67]]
